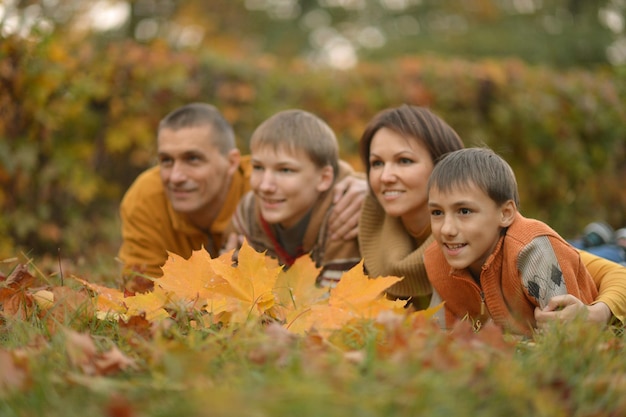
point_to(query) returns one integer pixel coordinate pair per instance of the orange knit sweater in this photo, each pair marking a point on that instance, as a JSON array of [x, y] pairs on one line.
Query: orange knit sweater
[[530, 264]]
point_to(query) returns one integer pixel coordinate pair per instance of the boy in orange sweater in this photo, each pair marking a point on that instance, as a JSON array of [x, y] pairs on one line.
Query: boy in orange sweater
[[488, 261]]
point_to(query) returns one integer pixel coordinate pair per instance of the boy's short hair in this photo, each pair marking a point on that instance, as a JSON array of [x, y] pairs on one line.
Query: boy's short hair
[[299, 130], [478, 166], [198, 115]]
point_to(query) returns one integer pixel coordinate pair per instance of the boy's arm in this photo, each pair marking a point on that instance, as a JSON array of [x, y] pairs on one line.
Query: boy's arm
[[349, 194], [566, 307], [610, 278]]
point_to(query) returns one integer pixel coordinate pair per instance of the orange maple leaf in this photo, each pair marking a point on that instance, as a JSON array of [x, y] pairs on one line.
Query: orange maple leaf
[[356, 290], [296, 290], [108, 300], [355, 297], [152, 304], [190, 279], [251, 284], [295, 287]]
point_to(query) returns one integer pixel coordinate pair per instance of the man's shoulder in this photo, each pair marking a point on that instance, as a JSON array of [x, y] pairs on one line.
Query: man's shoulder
[[146, 184], [145, 192]]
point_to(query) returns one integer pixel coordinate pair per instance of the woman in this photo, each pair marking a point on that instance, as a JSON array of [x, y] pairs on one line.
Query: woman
[[399, 148]]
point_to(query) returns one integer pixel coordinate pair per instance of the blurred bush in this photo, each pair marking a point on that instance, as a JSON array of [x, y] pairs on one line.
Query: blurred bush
[[78, 122]]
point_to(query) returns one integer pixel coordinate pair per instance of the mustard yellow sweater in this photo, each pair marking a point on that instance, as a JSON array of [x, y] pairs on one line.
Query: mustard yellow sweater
[[151, 227]]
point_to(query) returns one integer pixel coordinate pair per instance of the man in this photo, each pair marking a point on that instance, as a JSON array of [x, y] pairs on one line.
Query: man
[[186, 202]]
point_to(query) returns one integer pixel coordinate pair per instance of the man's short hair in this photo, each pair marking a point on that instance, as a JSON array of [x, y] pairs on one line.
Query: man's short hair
[[198, 115]]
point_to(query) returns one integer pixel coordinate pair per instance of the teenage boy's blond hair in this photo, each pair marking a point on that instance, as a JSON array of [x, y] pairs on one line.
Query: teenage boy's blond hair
[[298, 130]]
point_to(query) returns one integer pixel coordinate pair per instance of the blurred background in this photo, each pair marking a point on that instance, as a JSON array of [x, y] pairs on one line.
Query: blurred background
[[83, 85]]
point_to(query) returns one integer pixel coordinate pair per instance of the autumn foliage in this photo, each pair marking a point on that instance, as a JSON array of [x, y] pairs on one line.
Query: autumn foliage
[[213, 292], [78, 124]]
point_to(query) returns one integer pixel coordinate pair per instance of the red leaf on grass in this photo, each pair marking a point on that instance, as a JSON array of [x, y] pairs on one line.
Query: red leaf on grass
[[18, 280]]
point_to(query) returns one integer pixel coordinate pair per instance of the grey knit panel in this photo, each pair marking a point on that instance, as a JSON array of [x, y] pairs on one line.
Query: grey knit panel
[[540, 270]]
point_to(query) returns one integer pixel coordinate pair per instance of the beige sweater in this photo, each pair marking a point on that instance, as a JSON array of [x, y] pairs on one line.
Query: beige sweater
[[388, 250]]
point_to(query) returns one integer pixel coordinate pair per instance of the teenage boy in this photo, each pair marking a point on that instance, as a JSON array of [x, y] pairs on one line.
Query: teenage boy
[[186, 202], [488, 261], [295, 163]]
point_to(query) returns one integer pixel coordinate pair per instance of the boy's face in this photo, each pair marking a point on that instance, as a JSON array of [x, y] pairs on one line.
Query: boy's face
[[194, 173], [286, 183], [466, 223], [399, 172]]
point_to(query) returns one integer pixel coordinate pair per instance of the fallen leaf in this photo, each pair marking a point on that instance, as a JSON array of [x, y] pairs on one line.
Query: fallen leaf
[[107, 299], [251, 283], [112, 361], [44, 299], [355, 297], [295, 287], [18, 280], [15, 373], [356, 290], [81, 350], [190, 279], [152, 304]]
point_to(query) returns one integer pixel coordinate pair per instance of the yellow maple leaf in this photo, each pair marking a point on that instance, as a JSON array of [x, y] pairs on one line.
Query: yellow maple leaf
[[357, 291], [190, 280], [108, 300], [355, 297], [295, 287], [151, 303], [251, 283]]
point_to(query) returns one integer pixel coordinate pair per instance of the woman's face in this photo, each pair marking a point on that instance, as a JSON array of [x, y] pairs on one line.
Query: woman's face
[[399, 170]]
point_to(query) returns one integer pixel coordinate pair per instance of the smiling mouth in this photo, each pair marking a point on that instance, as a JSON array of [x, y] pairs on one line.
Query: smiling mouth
[[272, 201], [391, 194], [180, 191], [454, 246]]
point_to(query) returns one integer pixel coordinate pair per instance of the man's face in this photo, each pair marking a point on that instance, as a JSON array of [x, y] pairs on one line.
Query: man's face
[[195, 175]]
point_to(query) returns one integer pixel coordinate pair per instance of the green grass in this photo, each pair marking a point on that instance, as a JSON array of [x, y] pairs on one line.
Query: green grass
[[386, 368], [568, 370]]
